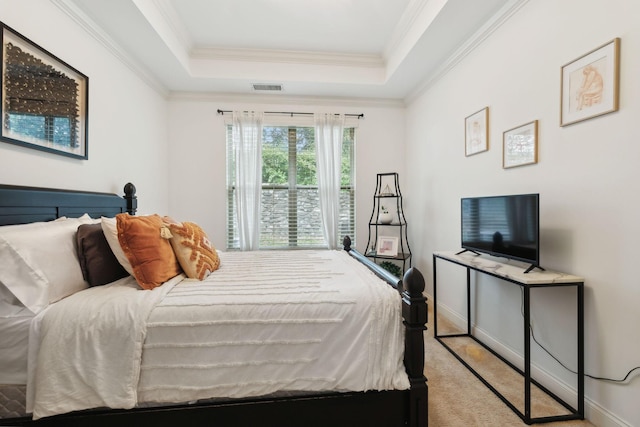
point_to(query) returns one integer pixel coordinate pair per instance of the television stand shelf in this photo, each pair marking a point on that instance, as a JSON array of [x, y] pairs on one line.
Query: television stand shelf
[[535, 279]]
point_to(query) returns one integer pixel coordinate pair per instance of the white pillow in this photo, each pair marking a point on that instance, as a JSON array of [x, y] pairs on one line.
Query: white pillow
[[110, 230], [40, 261]]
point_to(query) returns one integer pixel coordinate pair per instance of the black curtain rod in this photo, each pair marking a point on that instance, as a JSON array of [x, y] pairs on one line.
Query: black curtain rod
[[291, 113]]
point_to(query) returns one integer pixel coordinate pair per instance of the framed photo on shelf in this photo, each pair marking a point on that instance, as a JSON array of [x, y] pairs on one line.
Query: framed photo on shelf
[[44, 100], [590, 84], [476, 132], [387, 246], [520, 145]]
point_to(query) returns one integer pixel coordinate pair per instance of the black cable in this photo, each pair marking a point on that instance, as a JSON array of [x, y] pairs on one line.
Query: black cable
[[562, 364]]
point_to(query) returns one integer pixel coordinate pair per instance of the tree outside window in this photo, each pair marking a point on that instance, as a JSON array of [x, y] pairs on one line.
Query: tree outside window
[[290, 216]]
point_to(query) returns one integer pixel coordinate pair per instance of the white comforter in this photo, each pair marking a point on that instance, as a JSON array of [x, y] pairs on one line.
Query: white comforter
[[84, 351], [264, 322]]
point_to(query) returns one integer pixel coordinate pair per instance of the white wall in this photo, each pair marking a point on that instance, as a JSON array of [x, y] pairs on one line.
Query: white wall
[[198, 154], [587, 176], [127, 119]]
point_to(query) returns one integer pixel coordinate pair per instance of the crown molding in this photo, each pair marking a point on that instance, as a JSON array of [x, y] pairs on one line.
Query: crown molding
[[288, 56], [273, 99], [94, 30], [404, 25], [164, 21], [363, 61], [502, 16], [173, 21]]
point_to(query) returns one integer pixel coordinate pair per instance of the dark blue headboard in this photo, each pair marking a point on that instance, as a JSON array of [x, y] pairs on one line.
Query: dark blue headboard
[[21, 205]]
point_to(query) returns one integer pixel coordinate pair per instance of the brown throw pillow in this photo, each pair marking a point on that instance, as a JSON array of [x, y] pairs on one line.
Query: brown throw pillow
[[98, 263], [151, 256], [196, 255]]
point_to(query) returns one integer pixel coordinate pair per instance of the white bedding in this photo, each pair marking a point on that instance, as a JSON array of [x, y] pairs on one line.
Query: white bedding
[[264, 322], [84, 351], [14, 330]]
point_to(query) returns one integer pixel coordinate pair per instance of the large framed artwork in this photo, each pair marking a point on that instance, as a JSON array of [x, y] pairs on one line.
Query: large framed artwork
[[44, 100], [590, 84], [520, 145], [476, 132]]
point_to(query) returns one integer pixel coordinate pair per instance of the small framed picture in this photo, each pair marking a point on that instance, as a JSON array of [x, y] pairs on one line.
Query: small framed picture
[[476, 132], [590, 84], [520, 145], [387, 246]]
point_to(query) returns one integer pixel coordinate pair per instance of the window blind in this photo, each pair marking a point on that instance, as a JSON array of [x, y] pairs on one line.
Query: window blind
[[290, 207]]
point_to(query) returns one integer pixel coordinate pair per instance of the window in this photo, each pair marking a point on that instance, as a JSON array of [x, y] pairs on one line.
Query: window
[[290, 206], [46, 128]]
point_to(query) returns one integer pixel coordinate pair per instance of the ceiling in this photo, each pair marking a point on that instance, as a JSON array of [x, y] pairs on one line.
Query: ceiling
[[382, 49]]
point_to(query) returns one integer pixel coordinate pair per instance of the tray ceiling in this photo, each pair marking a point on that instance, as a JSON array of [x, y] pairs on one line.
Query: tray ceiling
[[320, 48]]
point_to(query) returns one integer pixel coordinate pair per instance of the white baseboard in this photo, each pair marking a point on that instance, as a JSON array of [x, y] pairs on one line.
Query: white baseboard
[[594, 413]]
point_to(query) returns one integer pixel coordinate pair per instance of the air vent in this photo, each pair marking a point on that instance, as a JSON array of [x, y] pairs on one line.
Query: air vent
[[267, 87]]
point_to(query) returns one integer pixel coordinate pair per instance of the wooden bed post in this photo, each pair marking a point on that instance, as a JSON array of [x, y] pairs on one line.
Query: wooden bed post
[[414, 313], [131, 198]]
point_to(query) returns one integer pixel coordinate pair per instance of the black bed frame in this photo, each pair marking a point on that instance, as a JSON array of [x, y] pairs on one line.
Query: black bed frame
[[22, 205], [19, 205]]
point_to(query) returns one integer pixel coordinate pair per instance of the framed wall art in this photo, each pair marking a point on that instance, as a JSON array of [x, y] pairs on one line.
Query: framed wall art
[[44, 100], [476, 132], [387, 246], [590, 84], [520, 145]]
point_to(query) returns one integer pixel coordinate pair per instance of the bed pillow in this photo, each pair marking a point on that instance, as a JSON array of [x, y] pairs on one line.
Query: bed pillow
[[40, 261], [196, 255], [110, 230], [98, 263], [149, 253]]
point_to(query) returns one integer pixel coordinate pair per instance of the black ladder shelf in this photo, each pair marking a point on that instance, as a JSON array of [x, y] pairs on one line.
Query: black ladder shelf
[[388, 239]]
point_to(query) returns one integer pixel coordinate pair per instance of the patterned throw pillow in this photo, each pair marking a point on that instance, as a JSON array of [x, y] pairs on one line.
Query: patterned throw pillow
[[196, 255]]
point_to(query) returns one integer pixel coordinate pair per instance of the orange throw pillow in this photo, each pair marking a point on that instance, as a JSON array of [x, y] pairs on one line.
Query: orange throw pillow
[[151, 256], [196, 255]]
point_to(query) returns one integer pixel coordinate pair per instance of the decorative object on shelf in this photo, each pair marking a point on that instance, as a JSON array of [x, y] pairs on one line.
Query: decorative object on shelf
[[476, 132], [387, 246], [44, 99], [590, 84], [387, 225], [386, 192], [520, 145], [384, 217], [391, 268]]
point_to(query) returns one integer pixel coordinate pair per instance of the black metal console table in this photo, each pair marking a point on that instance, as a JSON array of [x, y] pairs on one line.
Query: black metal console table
[[515, 274]]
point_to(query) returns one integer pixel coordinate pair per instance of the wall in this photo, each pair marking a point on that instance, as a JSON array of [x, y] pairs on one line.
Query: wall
[[587, 173], [587, 177], [127, 118], [198, 153]]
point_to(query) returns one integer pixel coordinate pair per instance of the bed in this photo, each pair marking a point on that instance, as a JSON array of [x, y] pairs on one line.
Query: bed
[[374, 405]]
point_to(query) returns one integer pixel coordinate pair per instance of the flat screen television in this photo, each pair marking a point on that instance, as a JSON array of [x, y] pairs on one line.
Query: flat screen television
[[503, 226]]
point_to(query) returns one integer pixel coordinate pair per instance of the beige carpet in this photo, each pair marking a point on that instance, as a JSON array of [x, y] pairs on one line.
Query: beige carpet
[[458, 398]]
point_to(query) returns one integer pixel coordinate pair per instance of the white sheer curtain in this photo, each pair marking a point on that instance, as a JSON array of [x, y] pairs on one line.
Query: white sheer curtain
[[329, 132], [247, 149]]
